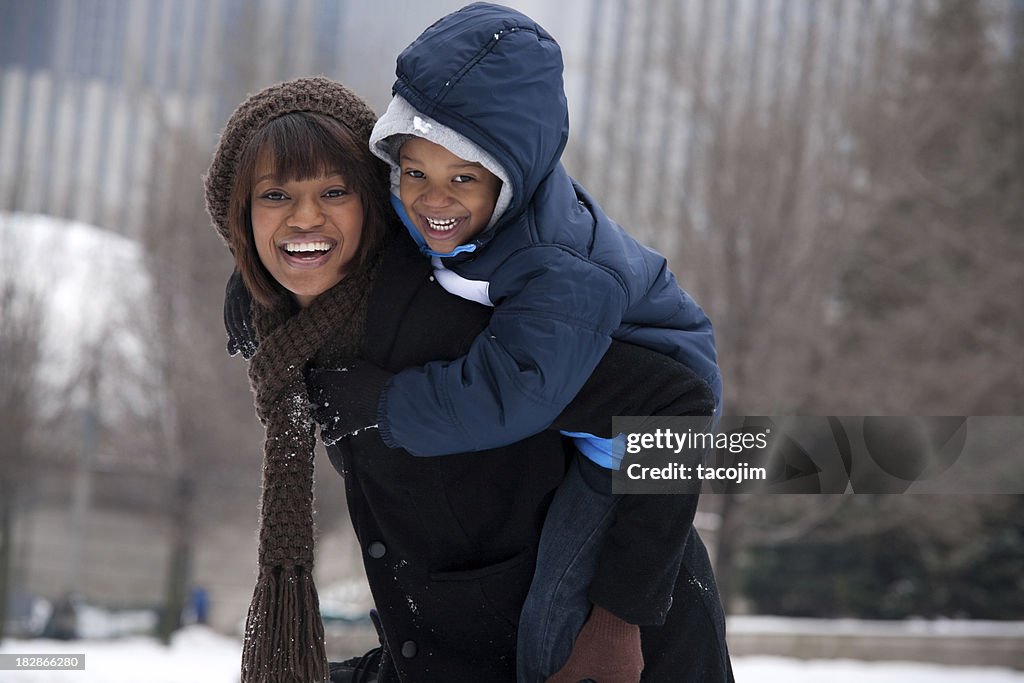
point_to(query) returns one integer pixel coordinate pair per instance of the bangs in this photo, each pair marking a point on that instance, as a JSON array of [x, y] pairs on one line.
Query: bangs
[[303, 145]]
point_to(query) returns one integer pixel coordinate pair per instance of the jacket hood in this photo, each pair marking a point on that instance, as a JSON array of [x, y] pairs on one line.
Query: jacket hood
[[493, 75]]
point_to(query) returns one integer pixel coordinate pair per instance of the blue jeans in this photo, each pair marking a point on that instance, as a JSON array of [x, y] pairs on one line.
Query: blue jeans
[[571, 541]]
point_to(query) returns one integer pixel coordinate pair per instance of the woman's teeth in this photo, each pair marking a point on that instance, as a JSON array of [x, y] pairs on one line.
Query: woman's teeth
[[442, 225], [307, 246]]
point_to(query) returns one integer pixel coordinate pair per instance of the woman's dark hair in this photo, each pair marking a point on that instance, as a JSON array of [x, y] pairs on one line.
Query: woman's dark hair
[[304, 145]]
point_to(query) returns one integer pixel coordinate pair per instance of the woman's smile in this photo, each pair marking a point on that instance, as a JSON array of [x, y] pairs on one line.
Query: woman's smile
[[307, 253]]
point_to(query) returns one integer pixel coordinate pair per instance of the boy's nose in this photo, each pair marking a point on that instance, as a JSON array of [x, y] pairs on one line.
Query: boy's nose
[[436, 197]]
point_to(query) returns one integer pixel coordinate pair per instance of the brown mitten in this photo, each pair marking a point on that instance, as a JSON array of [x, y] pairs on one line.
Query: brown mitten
[[607, 650]]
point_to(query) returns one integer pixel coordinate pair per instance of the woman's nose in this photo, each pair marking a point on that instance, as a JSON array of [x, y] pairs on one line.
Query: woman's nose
[[307, 215]]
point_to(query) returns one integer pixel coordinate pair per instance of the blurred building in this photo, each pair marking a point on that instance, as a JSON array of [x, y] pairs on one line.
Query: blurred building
[[89, 88]]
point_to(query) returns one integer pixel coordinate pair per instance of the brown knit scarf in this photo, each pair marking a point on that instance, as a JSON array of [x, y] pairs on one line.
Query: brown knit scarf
[[284, 638]]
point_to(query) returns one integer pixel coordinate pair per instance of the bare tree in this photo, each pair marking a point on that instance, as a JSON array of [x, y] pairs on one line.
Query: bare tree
[[920, 318], [930, 289], [20, 338], [842, 193], [186, 265]]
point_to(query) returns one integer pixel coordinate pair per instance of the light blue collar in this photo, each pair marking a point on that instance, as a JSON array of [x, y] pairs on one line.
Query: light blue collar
[[418, 238]]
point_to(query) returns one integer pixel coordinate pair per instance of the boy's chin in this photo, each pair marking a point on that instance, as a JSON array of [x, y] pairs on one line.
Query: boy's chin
[[440, 246]]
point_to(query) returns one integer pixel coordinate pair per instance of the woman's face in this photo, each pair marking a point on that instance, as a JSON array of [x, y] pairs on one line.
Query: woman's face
[[307, 231]]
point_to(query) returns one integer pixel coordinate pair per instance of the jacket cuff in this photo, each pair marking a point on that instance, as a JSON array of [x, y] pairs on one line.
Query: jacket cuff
[[383, 425]]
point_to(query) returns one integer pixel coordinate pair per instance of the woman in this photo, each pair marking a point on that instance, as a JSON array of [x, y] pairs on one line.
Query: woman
[[448, 543]]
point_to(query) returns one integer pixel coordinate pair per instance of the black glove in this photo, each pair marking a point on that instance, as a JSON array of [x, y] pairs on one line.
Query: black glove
[[238, 318], [345, 399]]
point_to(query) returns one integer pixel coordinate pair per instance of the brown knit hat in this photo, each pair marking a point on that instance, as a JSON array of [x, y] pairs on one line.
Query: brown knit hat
[[316, 94]]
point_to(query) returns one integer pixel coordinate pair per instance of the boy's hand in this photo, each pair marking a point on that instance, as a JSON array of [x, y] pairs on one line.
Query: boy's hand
[[238, 318], [607, 650], [345, 399]]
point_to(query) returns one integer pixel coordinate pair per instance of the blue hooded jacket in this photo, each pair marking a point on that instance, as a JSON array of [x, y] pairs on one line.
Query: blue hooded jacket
[[564, 278]]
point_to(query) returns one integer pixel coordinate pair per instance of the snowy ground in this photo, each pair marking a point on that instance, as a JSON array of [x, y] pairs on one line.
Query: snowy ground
[[198, 655]]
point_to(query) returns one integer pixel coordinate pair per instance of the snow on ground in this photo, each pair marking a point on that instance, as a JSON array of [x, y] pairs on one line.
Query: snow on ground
[[962, 628], [198, 655], [782, 670]]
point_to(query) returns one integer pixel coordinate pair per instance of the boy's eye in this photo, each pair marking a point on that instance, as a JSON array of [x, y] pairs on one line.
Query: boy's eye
[[413, 173], [463, 179]]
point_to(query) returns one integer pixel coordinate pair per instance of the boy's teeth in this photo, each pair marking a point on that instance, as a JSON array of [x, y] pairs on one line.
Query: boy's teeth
[[307, 246], [446, 224]]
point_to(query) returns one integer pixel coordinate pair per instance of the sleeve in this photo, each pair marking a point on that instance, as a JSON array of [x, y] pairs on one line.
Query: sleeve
[[643, 551], [642, 556], [554, 315], [633, 380]]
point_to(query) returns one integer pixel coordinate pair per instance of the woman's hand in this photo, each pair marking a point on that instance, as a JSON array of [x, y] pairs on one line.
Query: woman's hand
[[607, 650], [345, 399], [238, 318]]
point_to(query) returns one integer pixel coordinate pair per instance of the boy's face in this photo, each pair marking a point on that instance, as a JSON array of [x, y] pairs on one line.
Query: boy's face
[[450, 200]]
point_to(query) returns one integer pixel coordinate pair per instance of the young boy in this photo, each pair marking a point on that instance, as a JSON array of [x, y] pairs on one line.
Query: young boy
[[474, 137]]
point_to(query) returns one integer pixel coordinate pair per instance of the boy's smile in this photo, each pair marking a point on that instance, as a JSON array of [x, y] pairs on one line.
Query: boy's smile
[[449, 199]]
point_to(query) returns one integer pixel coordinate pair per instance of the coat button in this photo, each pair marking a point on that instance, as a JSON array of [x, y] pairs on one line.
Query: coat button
[[409, 649], [376, 550]]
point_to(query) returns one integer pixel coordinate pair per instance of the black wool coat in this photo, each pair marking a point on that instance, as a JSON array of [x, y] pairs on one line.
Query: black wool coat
[[449, 542]]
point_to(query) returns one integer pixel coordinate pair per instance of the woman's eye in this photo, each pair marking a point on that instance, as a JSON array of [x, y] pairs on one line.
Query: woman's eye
[[274, 195], [336, 193]]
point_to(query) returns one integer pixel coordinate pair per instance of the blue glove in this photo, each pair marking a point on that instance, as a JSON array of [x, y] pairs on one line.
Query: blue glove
[[345, 399]]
